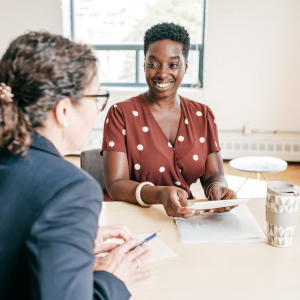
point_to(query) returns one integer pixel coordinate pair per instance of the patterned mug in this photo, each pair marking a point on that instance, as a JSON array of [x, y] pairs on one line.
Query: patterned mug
[[282, 212]]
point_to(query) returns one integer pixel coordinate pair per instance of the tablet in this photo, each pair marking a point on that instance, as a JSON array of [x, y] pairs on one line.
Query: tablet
[[218, 203]]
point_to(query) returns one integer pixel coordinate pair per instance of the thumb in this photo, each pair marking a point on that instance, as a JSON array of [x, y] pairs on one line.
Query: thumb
[[182, 197]]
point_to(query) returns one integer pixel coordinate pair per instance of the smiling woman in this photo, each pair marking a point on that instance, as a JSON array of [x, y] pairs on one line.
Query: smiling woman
[[169, 141]]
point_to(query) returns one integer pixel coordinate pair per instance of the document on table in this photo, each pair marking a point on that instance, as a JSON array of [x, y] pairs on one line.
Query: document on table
[[159, 249], [236, 226]]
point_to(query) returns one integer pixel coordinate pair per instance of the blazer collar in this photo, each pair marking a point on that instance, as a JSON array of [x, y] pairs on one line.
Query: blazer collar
[[41, 143]]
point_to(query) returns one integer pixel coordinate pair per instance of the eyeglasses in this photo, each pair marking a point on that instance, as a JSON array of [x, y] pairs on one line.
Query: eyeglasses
[[101, 99]]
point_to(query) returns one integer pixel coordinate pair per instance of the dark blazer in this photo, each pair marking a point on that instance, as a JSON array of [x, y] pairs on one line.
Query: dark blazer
[[48, 221]]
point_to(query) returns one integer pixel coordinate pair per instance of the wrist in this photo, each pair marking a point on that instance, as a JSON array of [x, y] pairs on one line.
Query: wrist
[[152, 194], [212, 186], [149, 194]]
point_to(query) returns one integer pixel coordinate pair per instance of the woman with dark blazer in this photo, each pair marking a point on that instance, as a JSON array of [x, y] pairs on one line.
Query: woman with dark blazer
[[49, 209]]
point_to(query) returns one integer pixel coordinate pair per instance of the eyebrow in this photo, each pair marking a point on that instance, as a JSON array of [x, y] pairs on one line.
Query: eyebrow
[[175, 56], [172, 57]]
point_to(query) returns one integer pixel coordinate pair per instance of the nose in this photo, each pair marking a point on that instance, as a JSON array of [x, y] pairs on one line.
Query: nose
[[163, 72]]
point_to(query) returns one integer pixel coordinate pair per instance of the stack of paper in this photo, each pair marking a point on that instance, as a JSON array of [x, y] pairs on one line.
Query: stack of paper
[[236, 226]]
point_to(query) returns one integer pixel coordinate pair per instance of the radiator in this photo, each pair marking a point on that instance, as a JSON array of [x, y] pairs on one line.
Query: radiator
[[286, 147]]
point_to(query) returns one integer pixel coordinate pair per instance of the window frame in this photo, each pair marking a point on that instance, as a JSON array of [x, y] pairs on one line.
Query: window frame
[[138, 47]]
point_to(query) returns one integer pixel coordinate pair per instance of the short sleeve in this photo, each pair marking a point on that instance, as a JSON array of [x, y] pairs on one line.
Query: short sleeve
[[114, 135], [212, 133]]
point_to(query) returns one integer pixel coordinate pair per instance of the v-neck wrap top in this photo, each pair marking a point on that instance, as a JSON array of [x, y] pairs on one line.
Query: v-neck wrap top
[[130, 127]]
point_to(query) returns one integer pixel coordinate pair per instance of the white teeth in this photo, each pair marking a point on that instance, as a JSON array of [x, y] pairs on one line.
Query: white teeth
[[162, 84]]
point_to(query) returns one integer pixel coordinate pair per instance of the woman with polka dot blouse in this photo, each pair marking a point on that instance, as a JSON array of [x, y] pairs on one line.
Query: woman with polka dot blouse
[[157, 144]]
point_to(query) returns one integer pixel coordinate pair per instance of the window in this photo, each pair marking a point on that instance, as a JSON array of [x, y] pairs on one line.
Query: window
[[115, 29]]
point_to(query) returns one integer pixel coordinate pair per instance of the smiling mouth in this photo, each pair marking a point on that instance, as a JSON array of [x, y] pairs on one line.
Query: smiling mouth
[[163, 85]]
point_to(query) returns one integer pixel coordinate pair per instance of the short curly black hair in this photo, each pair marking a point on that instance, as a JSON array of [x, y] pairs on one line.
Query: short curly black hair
[[168, 31]]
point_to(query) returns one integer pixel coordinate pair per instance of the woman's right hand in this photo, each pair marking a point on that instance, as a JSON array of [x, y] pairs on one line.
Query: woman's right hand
[[175, 202], [123, 264]]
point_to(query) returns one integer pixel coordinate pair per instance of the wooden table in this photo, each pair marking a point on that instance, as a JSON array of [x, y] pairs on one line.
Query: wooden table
[[210, 271]]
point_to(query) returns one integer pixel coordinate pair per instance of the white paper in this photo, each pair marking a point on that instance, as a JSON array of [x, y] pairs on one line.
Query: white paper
[[159, 249], [235, 226]]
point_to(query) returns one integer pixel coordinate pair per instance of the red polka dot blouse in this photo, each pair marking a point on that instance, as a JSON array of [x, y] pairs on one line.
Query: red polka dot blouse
[[130, 127]]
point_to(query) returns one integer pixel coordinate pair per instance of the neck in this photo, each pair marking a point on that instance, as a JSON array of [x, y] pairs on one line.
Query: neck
[[165, 103], [55, 135]]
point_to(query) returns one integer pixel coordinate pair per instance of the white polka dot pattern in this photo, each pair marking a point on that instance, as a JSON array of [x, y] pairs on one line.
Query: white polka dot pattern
[[178, 155]]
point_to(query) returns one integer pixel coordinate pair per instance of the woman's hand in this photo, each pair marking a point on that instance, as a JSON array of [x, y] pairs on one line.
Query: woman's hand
[[175, 202], [123, 264], [219, 192], [108, 232]]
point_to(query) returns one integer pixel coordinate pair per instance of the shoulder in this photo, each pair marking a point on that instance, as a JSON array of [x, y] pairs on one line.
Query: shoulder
[[198, 107], [47, 174], [127, 104]]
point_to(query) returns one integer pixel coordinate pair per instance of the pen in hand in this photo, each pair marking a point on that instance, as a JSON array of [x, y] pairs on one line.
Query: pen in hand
[[146, 240]]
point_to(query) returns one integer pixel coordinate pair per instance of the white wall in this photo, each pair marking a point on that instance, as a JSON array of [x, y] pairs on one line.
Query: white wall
[[251, 74], [19, 16], [252, 63]]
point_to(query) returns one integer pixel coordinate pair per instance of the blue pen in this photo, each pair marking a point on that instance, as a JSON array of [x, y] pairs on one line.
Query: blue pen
[[146, 240]]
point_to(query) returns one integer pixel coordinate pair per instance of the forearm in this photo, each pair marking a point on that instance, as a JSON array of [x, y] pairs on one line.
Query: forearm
[[124, 190], [214, 173]]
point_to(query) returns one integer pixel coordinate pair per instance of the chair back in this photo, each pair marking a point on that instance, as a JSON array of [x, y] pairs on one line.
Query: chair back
[[92, 162]]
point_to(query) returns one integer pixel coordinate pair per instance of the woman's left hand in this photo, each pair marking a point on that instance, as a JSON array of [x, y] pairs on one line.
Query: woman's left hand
[[219, 192], [108, 232]]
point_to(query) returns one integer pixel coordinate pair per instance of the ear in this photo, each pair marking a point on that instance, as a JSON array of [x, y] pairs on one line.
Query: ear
[[186, 66], [62, 111]]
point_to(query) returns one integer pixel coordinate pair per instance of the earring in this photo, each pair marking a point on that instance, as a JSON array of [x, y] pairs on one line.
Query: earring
[[66, 124]]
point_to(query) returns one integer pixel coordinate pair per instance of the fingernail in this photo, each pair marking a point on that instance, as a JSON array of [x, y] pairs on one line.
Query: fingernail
[[227, 208], [201, 211], [193, 211], [212, 211]]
